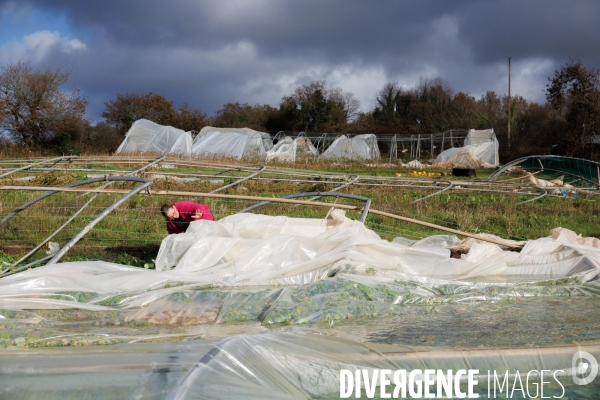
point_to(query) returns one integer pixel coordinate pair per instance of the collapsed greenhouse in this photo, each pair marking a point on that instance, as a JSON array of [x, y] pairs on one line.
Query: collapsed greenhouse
[[261, 305], [475, 148], [288, 149], [148, 137], [480, 150], [558, 171], [361, 147], [234, 143]]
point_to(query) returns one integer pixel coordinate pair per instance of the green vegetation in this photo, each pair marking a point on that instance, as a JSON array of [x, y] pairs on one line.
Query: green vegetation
[[415, 313], [80, 297], [131, 234]]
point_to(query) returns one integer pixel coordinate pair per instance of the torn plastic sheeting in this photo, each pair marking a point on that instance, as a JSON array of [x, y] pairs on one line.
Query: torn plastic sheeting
[[268, 365], [289, 150], [265, 250], [345, 296], [254, 249], [568, 236], [480, 150], [473, 156], [248, 250]]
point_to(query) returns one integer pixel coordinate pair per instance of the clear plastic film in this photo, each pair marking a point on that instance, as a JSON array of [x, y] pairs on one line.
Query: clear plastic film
[[148, 137], [289, 150], [480, 150], [165, 305], [264, 250], [269, 365], [237, 143], [249, 252], [254, 306], [360, 147]]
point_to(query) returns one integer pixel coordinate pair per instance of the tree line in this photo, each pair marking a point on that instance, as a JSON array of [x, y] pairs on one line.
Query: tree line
[[36, 113]]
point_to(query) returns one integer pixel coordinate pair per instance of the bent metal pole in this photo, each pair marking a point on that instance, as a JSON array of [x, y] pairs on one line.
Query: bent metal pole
[[144, 183], [55, 160], [272, 199], [48, 238]]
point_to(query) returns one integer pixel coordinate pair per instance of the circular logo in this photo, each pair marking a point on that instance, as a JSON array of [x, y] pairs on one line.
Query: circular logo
[[585, 368]]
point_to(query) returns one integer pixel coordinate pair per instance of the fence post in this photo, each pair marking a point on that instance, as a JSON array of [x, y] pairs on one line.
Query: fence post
[[443, 140], [431, 154]]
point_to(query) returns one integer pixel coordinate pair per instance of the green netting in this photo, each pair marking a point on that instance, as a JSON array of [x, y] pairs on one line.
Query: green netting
[[575, 170]]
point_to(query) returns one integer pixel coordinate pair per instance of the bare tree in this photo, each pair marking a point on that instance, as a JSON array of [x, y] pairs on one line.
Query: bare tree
[[32, 106], [236, 115], [317, 107], [128, 108], [351, 106], [574, 92], [188, 118]]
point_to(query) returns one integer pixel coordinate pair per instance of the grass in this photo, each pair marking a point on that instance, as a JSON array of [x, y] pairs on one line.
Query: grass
[[132, 233]]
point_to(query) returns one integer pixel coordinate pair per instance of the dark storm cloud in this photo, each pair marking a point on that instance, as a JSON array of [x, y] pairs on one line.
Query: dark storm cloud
[[555, 29], [330, 28], [209, 52], [344, 29]]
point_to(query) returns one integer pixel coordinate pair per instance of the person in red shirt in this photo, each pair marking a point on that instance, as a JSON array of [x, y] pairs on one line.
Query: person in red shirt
[[179, 215]]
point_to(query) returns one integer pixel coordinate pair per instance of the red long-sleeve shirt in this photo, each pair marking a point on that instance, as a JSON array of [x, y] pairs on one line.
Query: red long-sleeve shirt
[[186, 209]]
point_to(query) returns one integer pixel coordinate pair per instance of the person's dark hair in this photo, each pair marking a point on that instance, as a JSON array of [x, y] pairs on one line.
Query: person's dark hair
[[164, 209]]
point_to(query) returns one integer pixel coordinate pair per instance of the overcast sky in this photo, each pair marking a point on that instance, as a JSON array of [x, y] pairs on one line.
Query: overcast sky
[[256, 51]]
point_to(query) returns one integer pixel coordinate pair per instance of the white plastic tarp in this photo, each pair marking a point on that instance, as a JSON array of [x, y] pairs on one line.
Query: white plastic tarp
[[232, 142], [148, 137], [360, 147], [289, 150], [480, 150], [261, 249], [250, 250], [414, 164], [475, 136]]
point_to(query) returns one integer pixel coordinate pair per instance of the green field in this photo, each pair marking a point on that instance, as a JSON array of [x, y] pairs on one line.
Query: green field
[[132, 233]]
